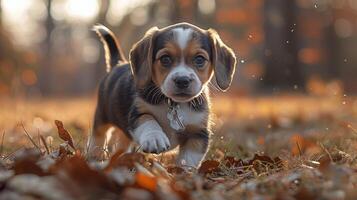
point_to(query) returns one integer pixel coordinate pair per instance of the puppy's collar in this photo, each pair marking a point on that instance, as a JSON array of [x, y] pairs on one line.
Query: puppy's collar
[[175, 116]]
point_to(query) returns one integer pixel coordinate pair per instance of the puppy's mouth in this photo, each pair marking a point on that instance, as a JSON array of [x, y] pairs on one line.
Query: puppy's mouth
[[182, 97]]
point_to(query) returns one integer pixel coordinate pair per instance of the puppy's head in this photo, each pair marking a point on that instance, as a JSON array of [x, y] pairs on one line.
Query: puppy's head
[[181, 59]]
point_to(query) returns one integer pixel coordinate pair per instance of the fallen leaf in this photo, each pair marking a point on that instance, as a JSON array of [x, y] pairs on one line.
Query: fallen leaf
[[113, 160], [136, 193], [125, 160], [146, 182], [64, 134], [76, 175], [25, 163], [175, 170], [209, 166], [231, 161]]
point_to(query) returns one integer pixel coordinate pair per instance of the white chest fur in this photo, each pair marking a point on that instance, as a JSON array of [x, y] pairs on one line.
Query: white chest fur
[[189, 116]]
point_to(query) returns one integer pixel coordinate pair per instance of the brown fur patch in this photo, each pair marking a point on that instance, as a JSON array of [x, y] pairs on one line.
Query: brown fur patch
[[173, 50], [160, 72], [195, 145], [193, 49]]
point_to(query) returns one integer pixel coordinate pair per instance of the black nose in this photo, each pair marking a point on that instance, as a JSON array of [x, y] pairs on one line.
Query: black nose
[[182, 82]]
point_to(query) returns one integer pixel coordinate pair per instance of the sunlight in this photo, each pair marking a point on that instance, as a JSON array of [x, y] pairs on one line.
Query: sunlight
[[15, 9], [20, 19], [23, 18], [119, 8], [82, 10]]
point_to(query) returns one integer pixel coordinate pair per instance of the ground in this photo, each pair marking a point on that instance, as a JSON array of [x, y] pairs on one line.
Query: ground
[[281, 147]]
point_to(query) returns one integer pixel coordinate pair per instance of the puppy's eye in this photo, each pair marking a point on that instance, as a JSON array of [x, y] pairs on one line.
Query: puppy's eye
[[199, 61], [166, 60]]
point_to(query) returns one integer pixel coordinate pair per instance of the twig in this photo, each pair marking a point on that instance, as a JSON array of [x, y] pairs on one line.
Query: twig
[[2, 143], [78, 146], [326, 151], [12, 153], [38, 137], [45, 144], [307, 166], [89, 142], [30, 138], [161, 157], [299, 148], [138, 149]]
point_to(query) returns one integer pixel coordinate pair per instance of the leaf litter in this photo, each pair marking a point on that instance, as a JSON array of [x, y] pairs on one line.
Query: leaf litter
[[309, 170]]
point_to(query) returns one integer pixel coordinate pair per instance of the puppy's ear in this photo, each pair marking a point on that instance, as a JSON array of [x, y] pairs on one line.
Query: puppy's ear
[[224, 61], [141, 58]]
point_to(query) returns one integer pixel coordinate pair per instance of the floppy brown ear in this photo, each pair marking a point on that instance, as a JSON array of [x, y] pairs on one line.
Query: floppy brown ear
[[141, 58], [224, 61]]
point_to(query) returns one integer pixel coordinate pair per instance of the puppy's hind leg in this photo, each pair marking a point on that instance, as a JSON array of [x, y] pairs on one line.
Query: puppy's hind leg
[[98, 140], [193, 150], [118, 141]]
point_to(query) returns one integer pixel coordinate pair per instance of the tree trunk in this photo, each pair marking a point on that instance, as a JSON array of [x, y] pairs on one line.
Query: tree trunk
[[0, 15], [282, 68], [46, 68], [332, 49]]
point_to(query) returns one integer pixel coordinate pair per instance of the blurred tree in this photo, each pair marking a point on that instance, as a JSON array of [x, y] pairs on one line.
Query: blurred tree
[[183, 10], [0, 14], [45, 73], [282, 69], [10, 59], [331, 47]]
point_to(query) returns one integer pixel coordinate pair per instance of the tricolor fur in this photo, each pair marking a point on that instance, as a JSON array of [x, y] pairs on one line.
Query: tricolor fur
[[174, 64]]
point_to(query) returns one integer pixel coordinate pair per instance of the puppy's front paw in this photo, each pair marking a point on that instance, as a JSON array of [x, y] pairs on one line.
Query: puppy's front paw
[[150, 137], [154, 141]]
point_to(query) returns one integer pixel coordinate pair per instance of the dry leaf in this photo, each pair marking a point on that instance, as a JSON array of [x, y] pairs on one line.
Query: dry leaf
[[64, 134], [26, 162], [146, 182], [79, 176], [231, 161], [209, 166], [125, 160], [175, 170], [113, 160]]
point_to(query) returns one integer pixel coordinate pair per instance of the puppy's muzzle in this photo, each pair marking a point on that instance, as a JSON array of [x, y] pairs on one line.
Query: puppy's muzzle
[[183, 82]]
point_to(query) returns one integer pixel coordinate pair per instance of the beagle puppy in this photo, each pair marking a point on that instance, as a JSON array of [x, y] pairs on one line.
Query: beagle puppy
[[160, 97]]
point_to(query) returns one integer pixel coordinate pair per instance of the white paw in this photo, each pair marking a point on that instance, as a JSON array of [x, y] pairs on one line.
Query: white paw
[[189, 159], [154, 142], [151, 138]]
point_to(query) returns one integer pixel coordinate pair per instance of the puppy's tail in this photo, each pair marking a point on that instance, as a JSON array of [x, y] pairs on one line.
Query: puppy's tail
[[113, 52]]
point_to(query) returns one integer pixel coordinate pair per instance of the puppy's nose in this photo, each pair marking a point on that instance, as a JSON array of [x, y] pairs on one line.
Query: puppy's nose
[[182, 82]]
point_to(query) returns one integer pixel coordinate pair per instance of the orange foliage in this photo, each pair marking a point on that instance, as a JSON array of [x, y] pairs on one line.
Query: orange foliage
[[145, 181], [231, 16], [300, 145], [28, 77], [253, 69], [309, 55]]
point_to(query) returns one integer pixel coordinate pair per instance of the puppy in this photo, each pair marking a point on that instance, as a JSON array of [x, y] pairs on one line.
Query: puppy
[[160, 98]]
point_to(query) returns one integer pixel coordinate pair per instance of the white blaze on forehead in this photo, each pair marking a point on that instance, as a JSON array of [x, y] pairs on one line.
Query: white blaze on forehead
[[182, 70], [182, 36]]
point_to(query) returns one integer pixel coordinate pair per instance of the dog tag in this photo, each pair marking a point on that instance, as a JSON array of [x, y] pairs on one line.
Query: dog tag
[[175, 117]]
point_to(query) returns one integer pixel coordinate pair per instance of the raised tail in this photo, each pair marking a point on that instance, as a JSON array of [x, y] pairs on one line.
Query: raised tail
[[113, 52]]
